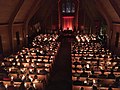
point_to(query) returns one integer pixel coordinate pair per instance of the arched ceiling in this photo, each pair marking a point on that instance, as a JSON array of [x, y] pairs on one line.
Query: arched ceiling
[[6, 9], [15, 11], [110, 10], [18, 10], [25, 8]]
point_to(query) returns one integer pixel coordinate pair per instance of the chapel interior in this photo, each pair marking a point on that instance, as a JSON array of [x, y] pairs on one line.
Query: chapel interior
[[59, 44]]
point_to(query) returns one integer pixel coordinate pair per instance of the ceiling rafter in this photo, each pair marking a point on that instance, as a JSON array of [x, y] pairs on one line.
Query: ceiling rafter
[[33, 10], [42, 11], [103, 11], [87, 11], [13, 15], [48, 11], [115, 6], [11, 22]]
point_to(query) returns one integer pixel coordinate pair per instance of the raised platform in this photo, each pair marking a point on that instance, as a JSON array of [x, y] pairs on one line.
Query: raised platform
[[67, 35]]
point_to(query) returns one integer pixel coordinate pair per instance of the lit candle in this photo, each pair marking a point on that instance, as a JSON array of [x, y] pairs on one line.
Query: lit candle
[[9, 69], [10, 59], [28, 60], [30, 70], [25, 84], [25, 65], [94, 81], [88, 66], [3, 64], [12, 78], [34, 85], [17, 60], [6, 85], [23, 77], [31, 79], [18, 64], [85, 81], [16, 56], [38, 71]]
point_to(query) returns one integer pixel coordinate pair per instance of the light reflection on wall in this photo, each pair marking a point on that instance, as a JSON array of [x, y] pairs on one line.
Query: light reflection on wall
[[68, 22]]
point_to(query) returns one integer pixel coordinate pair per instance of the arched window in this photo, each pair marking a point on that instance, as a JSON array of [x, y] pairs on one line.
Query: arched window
[[68, 7], [73, 8], [63, 8]]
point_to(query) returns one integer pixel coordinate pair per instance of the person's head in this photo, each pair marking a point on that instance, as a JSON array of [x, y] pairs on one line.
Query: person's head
[[83, 69], [117, 79], [18, 75], [31, 84], [92, 72], [11, 82], [102, 71], [119, 67], [94, 87], [110, 88], [35, 77], [78, 78], [1, 83], [81, 88], [111, 71]]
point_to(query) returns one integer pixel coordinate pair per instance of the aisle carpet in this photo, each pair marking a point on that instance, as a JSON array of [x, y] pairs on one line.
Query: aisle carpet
[[61, 75]]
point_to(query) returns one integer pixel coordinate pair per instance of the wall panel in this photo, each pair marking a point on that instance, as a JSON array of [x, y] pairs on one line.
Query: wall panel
[[5, 36]]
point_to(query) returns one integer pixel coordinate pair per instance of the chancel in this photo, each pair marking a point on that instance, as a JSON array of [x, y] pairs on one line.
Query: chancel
[[59, 45]]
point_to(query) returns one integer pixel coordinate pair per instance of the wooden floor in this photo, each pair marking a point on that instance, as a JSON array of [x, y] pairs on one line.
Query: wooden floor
[[61, 77]]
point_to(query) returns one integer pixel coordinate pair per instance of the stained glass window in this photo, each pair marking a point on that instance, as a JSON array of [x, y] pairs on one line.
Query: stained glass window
[[63, 8], [68, 7]]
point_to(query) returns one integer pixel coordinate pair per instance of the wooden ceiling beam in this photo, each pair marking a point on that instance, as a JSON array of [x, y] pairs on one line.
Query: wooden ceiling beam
[[115, 6], [34, 8], [48, 11], [87, 11], [13, 15], [103, 11], [11, 22], [108, 19]]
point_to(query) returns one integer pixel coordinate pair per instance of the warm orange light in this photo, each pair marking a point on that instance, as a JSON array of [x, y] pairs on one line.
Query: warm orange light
[[68, 22], [68, 17]]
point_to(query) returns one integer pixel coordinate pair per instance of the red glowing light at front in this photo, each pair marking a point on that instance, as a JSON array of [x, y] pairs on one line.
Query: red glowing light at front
[[68, 22]]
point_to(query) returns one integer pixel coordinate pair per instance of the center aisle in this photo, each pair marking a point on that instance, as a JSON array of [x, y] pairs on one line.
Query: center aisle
[[61, 76]]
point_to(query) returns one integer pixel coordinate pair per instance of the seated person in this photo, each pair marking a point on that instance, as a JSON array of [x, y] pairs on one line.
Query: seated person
[[35, 79], [76, 63], [92, 74], [84, 74], [94, 87], [102, 75], [88, 82], [83, 62], [3, 71], [116, 84], [110, 88], [17, 79], [111, 75], [82, 88], [27, 79], [78, 82], [11, 86], [2, 86], [22, 86], [43, 72], [118, 68], [31, 87]]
